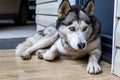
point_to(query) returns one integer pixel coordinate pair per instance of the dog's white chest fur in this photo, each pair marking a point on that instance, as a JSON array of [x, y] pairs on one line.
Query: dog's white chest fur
[[60, 47], [63, 49]]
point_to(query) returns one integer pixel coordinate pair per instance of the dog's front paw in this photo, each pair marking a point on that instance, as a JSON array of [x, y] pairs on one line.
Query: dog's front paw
[[48, 56], [26, 56], [93, 68], [40, 53]]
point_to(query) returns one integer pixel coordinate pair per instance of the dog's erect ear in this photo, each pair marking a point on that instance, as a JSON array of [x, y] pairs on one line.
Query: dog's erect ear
[[89, 7], [63, 9]]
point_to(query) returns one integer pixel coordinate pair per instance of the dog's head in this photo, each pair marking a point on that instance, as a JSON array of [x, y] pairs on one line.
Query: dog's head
[[74, 23]]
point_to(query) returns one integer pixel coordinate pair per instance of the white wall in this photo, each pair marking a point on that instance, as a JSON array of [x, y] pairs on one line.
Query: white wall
[[45, 9], [72, 2]]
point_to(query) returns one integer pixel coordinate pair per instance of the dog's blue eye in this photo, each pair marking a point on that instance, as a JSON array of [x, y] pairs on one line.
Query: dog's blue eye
[[85, 28], [72, 28]]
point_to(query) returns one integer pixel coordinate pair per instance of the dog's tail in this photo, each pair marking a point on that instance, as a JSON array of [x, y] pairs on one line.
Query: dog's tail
[[23, 46]]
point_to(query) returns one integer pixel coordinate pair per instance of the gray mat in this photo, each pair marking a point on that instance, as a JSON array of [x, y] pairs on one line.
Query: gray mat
[[10, 43]]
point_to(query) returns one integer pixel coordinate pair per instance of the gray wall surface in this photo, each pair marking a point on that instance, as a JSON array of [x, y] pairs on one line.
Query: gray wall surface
[[104, 10]]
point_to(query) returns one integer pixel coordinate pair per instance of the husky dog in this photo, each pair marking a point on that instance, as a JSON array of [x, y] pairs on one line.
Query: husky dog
[[75, 34]]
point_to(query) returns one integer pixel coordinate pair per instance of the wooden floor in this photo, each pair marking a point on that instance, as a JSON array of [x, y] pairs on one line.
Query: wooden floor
[[13, 68]]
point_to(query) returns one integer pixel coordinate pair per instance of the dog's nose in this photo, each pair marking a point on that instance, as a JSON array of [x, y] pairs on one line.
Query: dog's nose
[[81, 45]]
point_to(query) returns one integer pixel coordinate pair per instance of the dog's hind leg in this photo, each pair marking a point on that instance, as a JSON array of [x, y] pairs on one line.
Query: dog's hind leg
[[93, 67], [42, 43]]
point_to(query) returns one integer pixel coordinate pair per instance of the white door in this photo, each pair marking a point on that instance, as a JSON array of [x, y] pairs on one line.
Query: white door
[[116, 40]]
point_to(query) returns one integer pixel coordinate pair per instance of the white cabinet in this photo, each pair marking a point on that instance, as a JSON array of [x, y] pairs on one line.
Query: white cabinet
[[116, 40]]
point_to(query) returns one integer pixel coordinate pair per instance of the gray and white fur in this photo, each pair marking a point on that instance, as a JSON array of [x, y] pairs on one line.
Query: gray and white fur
[[76, 33]]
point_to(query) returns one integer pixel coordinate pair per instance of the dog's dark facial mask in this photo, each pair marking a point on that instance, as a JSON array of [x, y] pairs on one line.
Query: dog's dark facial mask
[[74, 24]]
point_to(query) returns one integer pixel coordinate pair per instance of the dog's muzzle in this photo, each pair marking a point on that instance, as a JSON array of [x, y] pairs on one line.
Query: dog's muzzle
[[81, 45]]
